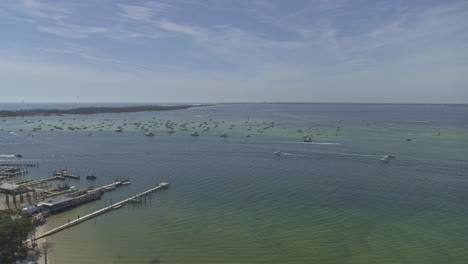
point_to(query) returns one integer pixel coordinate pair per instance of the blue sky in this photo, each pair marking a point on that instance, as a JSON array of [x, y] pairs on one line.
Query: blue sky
[[234, 51]]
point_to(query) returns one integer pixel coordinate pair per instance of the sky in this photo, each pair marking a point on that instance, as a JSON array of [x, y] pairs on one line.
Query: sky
[[361, 51]]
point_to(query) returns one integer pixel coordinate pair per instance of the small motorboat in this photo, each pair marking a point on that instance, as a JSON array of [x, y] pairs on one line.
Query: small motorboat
[[116, 206], [307, 138], [149, 134], [110, 188], [223, 135], [122, 181], [18, 155], [278, 153], [194, 134], [90, 177], [387, 157]]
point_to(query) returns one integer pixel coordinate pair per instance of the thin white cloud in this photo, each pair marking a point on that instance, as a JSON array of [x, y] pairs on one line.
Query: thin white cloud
[[145, 12], [71, 31], [217, 38], [139, 13], [38, 9], [83, 52], [195, 32], [256, 46]]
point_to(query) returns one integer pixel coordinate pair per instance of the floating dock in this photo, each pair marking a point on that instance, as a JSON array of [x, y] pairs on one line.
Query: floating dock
[[117, 205]]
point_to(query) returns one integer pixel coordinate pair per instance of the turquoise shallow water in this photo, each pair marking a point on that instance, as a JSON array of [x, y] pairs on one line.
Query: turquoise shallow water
[[233, 201]]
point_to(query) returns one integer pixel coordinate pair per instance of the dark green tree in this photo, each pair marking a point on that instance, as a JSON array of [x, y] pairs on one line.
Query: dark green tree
[[15, 228]]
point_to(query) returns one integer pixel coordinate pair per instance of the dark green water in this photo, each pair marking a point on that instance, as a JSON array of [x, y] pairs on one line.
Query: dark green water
[[233, 201]]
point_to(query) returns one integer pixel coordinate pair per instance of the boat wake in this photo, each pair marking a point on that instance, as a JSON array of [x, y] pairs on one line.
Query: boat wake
[[7, 156], [330, 154], [299, 155], [357, 155], [307, 143]]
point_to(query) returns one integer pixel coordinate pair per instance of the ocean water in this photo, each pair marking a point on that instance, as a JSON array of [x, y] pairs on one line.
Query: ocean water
[[232, 201]]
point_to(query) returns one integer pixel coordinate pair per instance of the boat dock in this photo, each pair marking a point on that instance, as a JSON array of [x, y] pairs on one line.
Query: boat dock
[[12, 172], [19, 181], [66, 174], [37, 182], [19, 164], [117, 205], [108, 185]]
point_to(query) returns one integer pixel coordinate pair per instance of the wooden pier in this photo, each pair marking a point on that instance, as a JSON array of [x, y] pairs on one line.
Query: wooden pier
[[19, 181], [66, 174], [102, 211], [37, 182], [5, 175], [19, 164]]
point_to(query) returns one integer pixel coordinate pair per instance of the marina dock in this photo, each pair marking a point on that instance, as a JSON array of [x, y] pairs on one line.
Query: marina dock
[[19, 164], [37, 182], [66, 174], [4, 174], [117, 205]]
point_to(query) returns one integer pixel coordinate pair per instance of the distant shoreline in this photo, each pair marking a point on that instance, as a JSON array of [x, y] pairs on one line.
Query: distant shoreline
[[96, 110], [346, 103]]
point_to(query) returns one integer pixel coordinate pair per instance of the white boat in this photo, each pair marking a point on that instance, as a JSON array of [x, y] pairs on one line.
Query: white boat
[[149, 134], [194, 134], [387, 157], [278, 153], [307, 138], [110, 188], [223, 135], [116, 206]]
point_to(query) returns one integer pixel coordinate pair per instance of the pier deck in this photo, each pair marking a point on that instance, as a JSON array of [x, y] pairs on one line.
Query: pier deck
[[12, 174], [68, 175], [37, 182], [101, 211], [4, 164]]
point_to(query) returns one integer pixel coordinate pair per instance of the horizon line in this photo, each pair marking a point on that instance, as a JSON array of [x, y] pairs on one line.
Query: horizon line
[[227, 102]]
